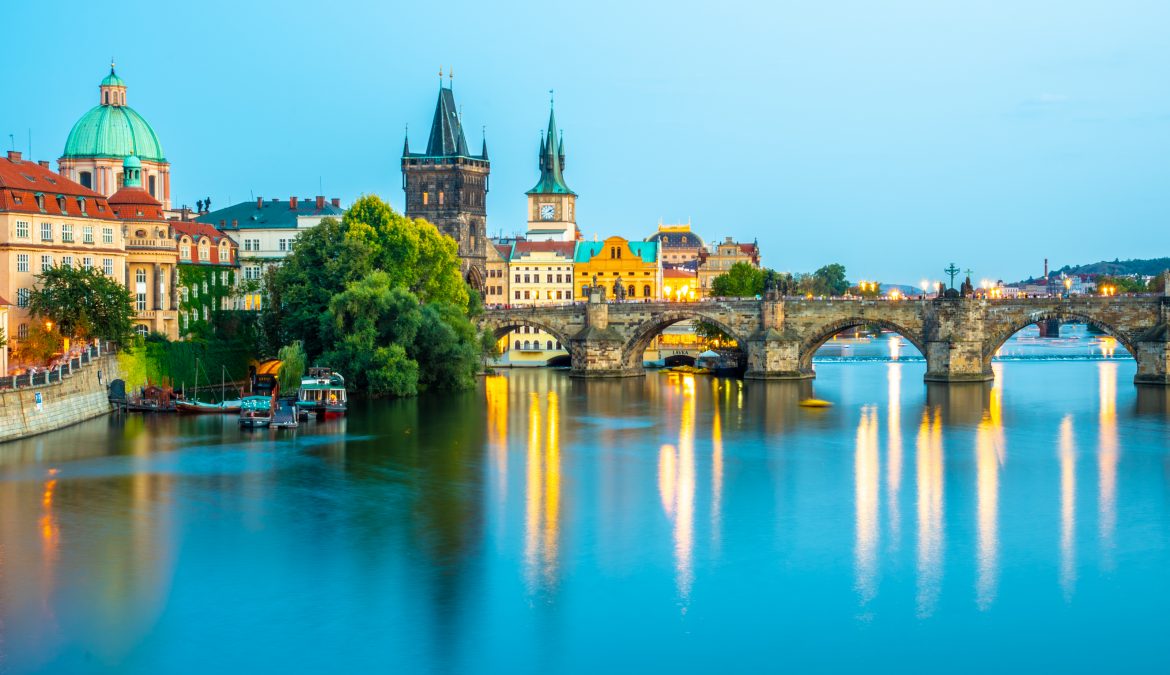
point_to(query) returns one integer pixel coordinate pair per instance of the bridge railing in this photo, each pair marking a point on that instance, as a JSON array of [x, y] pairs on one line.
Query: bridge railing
[[39, 377]]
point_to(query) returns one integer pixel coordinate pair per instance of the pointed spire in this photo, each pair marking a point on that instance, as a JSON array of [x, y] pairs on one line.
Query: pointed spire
[[561, 150], [406, 142], [552, 159], [446, 139], [483, 153]]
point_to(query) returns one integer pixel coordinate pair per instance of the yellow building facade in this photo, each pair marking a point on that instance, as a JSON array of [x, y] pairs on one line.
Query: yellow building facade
[[635, 263], [540, 273], [152, 256]]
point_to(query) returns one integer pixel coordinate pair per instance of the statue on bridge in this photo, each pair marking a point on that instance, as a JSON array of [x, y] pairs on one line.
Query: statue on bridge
[[619, 290]]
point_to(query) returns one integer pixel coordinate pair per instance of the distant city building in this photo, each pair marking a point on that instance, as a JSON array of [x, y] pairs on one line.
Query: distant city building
[[541, 273], [635, 263], [551, 204], [47, 220], [719, 258], [681, 283], [105, 136], [265, 232], [679, 245], [152, 255], [448, 186], [208, 267], [495, 290]]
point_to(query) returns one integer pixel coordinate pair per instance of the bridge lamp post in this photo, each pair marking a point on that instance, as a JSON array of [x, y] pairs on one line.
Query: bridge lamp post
[[925, 286], [1067, 286], [666, 291]]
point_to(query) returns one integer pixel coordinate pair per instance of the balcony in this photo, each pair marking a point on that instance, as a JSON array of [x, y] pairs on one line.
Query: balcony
[[153, 244]]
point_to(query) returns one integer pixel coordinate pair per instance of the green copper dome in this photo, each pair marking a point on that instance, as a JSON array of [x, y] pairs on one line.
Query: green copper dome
[[112, 80], [113, 131]]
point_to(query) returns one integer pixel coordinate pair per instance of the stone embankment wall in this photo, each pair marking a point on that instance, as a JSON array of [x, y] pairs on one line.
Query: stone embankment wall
[[78, 397]]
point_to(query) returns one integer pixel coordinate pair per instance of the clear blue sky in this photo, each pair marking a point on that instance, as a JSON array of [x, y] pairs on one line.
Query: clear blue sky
[[890, 136]]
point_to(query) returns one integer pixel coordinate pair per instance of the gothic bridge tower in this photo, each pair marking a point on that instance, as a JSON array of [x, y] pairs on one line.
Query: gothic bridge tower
[[447, 185]]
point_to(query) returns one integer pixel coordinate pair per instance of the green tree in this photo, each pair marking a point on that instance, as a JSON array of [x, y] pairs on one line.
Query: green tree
[[83, 304], [830, 280], [1122, 284], [40, 345], [742, 280], [292, 366]]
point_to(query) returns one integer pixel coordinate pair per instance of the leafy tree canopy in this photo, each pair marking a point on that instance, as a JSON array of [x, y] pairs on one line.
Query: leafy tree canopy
[[83, 304], [742, 280]]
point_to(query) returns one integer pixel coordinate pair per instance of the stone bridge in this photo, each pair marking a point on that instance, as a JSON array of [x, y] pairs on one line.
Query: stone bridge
[[780, 335]]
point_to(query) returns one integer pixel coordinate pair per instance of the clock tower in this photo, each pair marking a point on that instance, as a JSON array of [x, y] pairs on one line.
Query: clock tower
[[552, 206]]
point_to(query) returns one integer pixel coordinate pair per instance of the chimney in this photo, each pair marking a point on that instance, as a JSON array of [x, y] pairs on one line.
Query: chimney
[[292, 203], [259, 202], [320, 202], [1046, 269], [336, 201], [44, 163], [14, 155]]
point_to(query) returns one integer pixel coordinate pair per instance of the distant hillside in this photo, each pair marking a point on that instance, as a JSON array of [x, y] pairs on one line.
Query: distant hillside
[[1149, 267]]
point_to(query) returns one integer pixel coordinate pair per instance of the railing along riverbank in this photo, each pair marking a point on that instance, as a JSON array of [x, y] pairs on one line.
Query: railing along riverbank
[[39, 377]]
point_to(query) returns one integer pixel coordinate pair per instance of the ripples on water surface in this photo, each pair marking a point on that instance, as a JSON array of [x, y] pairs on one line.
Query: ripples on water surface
[[672, 523]]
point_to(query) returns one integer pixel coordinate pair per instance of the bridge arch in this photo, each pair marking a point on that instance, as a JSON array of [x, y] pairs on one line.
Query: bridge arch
[[642, 334], [1018, 323], [816, 338], [501, 326]]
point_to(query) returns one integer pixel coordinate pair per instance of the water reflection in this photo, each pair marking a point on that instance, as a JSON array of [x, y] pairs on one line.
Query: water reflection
[[676, 486], [989, 454], [930, 510], [542, 492], [866, 486], [1068, 507], [894, 461], [1107, 458]]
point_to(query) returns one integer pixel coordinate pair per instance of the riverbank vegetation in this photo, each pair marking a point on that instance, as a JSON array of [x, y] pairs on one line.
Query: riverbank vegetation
[[380, 298]]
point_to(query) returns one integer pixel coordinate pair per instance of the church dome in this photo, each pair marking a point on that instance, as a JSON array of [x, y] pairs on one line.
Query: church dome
[[113, 129]]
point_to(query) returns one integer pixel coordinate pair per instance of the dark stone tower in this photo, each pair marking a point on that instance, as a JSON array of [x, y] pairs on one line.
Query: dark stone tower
[[448, 186]]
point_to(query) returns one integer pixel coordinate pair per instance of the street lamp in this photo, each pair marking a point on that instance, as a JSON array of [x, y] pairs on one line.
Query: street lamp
[[666, 291]]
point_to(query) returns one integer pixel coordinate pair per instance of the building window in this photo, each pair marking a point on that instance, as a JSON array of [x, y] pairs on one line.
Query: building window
[[46, 232], [22, 331], [517, 295], [526, 296], [86, 263], [517, 278], [22, 297], [87, 234], [141, 330], [21, 262], [108, 267], [67, 233], [527, 278], [645, 291], [185, 249], [631, 291], [204, 287], [527, 344], [204, 251], [283, 245], [251, 272], [517, 342], [206, 312], [548, 345], [22, 229], [186, 293], [46, 263], [67, 262], [141, 302], [150, 182], [86, 179], [426, 198], [223, 278]]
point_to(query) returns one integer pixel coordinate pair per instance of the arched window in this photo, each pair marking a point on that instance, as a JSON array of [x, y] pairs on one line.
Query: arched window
[[204, 250], [632, 292], [558, 344], [517, 344], [140, 276], [141, 330], [527, 344], [106, 97], [549, 345], [86, 179], [646, 291]]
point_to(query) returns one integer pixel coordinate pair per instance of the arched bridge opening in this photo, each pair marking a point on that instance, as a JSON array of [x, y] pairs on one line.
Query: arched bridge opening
[[1114, 337], [903, 339], [727, 340]]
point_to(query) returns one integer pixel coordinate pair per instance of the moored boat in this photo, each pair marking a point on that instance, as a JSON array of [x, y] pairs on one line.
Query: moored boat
[[322, 392], [201, 407], [256, 411]]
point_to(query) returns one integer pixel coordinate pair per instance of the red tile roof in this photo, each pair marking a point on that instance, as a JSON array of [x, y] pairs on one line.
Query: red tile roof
[[21, 180], [196, 231], [134, 203], [564, 248], [678, 273]]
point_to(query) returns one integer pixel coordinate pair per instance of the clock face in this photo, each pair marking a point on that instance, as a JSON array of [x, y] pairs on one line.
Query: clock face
[[547, 211]]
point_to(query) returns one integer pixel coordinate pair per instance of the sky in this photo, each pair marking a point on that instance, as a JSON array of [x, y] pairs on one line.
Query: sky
[[893, 137]]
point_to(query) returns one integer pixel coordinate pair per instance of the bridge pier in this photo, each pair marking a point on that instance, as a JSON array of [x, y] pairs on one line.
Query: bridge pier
[[956, 361], [1153, 357], [772, 357], [599, 349]]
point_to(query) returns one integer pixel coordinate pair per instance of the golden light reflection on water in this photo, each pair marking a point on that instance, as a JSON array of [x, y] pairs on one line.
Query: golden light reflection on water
[[929, 478], [716, 469], [1107, 459], [496, 390], [542, 496], [1108, 346], [866, 486], [989, 455], [894, 459], [1068, 507], [676, 486]]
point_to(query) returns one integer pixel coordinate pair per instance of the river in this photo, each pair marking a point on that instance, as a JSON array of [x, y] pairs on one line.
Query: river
[[671, 523]]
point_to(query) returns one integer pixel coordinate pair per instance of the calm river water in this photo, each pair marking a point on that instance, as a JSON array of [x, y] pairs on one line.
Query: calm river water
[[665, 524]]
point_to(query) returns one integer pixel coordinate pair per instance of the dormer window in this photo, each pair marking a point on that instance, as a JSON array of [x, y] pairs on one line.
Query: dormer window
[[81, 204], [40, 201], [61, 204]]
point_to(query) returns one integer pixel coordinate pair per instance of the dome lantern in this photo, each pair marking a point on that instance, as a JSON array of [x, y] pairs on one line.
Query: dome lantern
[[112, 89], [132, 172]]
